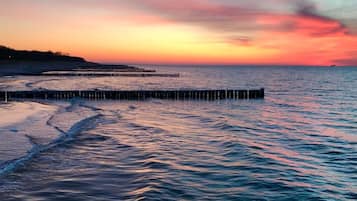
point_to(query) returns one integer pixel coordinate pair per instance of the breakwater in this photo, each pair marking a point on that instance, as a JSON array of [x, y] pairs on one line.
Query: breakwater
[[104, 74], [133, 95]]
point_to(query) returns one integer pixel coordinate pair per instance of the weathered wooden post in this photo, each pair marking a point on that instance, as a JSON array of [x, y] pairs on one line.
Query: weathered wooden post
[[245, 94], [211, 95]]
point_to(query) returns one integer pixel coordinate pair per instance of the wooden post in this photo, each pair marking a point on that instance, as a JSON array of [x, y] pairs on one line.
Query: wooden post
[[262, 93]]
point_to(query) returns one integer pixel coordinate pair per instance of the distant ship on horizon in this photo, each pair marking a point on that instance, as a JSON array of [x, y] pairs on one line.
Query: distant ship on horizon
[[333, 65]]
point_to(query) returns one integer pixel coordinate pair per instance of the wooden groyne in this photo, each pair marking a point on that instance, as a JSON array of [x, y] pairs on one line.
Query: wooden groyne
[[133, 95], [105, 74]]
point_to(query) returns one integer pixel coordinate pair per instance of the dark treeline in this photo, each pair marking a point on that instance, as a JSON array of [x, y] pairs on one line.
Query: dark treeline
[[9, 54]]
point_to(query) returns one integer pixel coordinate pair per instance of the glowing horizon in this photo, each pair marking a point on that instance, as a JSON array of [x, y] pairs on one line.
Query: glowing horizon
[[281, 32]]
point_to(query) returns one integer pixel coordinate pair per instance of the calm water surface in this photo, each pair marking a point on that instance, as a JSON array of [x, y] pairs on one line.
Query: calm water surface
[[300, 143]]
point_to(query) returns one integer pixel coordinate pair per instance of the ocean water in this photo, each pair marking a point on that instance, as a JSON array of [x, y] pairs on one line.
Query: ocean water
[[299, 143]]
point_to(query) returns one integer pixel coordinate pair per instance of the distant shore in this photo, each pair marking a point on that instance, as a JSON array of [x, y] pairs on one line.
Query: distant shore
[[40, 67], [24, 62]]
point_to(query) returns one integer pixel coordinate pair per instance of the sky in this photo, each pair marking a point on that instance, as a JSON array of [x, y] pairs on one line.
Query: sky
[[254, 32]]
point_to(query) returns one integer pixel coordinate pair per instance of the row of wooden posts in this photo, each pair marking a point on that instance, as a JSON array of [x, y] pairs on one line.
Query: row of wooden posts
[[134, 95], [105, 74]]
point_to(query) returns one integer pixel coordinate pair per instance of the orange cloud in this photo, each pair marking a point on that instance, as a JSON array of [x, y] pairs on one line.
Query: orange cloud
[[185, 31]]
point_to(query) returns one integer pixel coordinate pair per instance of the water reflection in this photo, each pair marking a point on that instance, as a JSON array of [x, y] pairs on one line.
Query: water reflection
[[298, 143]]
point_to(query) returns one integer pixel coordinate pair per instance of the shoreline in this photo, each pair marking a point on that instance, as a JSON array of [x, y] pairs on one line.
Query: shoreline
[[18, 68], [44, 131]]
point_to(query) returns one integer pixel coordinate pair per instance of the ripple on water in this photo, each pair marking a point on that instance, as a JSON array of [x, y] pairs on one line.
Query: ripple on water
[[297, 144]]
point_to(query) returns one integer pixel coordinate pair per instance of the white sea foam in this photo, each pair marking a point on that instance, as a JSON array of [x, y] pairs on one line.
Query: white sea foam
[[27, 128], [19, 121]]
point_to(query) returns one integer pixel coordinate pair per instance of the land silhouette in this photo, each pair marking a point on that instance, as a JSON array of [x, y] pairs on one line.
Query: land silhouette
[[33, 62]]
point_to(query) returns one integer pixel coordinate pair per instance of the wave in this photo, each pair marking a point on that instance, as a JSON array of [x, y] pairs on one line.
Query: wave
[[65, 136]]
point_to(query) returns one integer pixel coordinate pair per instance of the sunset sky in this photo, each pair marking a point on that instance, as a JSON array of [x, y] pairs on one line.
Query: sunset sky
[[296, 32]]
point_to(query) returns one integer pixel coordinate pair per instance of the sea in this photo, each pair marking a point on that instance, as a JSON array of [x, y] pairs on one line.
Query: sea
[[299, 143]]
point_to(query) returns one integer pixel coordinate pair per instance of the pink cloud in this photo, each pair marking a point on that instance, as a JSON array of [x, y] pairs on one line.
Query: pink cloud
[[234, 18]]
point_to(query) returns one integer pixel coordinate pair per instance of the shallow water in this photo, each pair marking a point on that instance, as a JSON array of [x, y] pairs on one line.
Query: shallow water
[[300, 143]]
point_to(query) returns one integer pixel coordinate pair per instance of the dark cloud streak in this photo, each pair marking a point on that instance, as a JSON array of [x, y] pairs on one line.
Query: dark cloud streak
[[239, 19]]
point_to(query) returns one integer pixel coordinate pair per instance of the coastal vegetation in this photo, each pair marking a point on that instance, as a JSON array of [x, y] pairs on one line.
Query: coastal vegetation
[[12, 55]]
